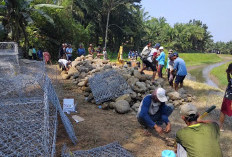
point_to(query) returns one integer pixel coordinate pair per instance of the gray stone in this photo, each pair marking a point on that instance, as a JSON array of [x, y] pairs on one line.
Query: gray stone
[[133, 95], [76, 75], [140, 87], [126, 97], [105, 106], [159, 81], [135, 107], [126, 76], [138, 75], [122, 106], [131, 81], [111, 105], [174, 95], [80, 84]]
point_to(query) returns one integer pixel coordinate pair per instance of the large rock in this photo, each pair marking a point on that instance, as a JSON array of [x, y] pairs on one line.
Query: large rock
[[126, 76], [131, 81], [76, 75], [140, 87], [75, 63], [122, 106], [72, 71], [138, 75], [126, 97], [81, 84], [133, 95], [174, 95], [159, 82], [135, 107]]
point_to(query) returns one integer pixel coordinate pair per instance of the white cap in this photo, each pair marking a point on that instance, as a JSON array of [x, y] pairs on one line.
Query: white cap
[[160, 93], [161, 48]]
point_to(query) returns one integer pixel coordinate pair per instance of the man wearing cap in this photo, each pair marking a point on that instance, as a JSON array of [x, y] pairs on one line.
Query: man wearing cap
[[181, 70], [147, 58], [200, 138], [161, 60], [153, 111]]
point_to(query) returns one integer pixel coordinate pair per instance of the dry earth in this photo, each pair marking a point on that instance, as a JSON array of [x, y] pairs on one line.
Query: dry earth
[[102, 127]]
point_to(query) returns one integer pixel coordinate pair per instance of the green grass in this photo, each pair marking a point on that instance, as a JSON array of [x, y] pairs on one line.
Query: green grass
[[220, 74], [193, 59]]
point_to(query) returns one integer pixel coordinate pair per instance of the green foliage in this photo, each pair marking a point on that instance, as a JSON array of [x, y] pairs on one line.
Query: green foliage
[[48, 23]]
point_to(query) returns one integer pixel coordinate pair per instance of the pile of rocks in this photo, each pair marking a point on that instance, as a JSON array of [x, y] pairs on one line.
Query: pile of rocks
[[85, 67]]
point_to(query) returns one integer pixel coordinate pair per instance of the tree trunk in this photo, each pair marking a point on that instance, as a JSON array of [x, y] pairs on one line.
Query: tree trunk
[[107, 25]]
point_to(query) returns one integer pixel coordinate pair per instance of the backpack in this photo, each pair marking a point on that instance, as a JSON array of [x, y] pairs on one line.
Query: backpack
[[144, 54]]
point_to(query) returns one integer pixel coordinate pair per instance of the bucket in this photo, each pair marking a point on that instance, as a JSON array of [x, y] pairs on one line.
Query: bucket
[[168, 153]]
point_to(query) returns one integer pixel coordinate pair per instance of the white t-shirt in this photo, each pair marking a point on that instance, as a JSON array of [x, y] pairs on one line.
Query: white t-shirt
[[150, 56], [63, 61]]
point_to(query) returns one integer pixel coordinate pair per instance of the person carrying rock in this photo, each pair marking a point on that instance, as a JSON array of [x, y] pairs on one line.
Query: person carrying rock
[[181, 70], [64, 64], [147, 59], [153, 111], [200, 138]]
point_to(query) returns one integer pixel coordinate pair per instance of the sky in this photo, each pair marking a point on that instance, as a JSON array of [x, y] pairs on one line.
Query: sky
[[216, 14]]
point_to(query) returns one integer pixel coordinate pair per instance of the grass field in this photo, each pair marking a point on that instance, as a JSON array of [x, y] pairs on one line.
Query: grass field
[[193, 59], [220, 74]]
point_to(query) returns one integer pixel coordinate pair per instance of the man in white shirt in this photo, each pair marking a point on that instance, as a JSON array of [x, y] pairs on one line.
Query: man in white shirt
[[64, 64]]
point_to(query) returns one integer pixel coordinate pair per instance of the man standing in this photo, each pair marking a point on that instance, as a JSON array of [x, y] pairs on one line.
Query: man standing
[[181, 70], [153, 111], [69, 52], [91, 49], [199, 138], [161, 60]]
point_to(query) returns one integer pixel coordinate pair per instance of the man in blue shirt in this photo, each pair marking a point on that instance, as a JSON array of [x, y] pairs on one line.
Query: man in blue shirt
[[153, 111], [161, 60], [81, 51], [181, 70]]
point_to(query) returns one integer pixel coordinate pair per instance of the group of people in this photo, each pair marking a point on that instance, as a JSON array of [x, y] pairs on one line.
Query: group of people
[[66, 51], [39, 55], [133, 55], [98, 51], [154, 58], [199, 139]]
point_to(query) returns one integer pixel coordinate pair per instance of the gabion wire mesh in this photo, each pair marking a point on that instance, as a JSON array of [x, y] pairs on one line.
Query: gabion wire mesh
[[108, 85], [28, 108], [110, 150]]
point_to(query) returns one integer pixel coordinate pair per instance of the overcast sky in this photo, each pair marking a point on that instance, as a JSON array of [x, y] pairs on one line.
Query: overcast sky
[[216, 14]]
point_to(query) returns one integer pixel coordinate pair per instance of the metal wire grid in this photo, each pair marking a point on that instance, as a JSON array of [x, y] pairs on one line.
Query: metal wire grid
[[28, 121], [108, 85], [110, 150]]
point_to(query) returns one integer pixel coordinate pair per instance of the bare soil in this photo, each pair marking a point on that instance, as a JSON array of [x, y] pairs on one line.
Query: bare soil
[[102, 127]]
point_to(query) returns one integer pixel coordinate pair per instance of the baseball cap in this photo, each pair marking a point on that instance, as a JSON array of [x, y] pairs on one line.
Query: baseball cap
[[160, 94], [188, 109], [157, 45], [161, 48], [175, 54]]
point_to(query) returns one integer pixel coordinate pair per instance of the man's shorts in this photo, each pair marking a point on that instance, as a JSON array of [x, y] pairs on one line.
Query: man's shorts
[[149, 64], [179, 79]]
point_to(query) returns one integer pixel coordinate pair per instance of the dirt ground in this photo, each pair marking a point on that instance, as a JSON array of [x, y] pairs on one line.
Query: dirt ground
[[102, 127]]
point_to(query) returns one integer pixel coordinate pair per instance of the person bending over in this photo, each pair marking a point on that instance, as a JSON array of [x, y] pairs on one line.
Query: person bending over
[[153, 111]]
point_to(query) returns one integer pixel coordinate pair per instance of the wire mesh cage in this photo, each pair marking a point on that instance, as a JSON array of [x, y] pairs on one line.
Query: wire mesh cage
[[28, 107], [110, 150], [108, 85]]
